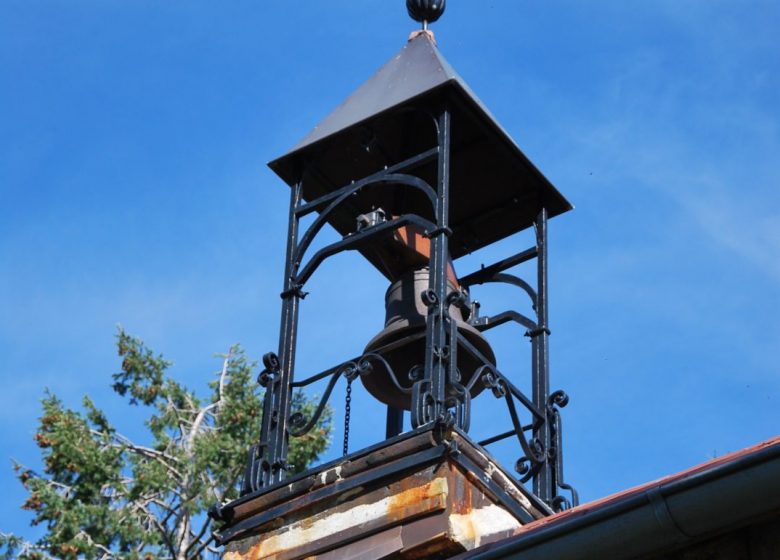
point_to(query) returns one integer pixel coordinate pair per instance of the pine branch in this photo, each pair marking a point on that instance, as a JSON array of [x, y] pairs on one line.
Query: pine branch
[[81, 535], [63, 490], [25, 547], [136, 499]]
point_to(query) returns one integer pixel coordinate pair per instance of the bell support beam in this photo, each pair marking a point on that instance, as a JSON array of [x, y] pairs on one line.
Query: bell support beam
[[402, 167], [355, 240], [487, 272]]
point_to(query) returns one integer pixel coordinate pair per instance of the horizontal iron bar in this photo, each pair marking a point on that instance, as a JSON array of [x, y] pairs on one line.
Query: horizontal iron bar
[[487, 272], [504, 435], [354, 240], [322, 375], [485, 323], [522, 398], [407, 164]]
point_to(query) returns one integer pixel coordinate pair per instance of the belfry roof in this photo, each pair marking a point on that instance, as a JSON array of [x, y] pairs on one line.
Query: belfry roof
[[495, 189]]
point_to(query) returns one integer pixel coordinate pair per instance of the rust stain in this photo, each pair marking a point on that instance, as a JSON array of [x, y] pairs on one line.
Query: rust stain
[[307, 522], [412, 496], [463, 500], [417, 499], [405, 504]]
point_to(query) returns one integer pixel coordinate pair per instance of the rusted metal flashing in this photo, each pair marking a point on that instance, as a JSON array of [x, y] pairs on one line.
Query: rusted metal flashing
[[388, 450], [342, 523], [413, 498]]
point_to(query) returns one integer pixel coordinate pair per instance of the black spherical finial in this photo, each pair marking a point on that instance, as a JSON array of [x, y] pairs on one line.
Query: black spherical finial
[[425, 11]]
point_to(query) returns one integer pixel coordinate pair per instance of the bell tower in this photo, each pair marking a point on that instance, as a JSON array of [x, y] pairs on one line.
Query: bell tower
[[413, 172]]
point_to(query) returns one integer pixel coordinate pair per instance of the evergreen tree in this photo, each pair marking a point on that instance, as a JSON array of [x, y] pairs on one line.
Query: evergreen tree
[[103, 496]]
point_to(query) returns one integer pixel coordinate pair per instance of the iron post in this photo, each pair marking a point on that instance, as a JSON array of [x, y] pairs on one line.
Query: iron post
[[540, 372]]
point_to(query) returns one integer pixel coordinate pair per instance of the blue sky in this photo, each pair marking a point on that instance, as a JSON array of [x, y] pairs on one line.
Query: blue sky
[[133, 143]]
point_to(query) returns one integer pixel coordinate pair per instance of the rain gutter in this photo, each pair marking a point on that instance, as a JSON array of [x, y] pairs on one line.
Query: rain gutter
[[714, 498]]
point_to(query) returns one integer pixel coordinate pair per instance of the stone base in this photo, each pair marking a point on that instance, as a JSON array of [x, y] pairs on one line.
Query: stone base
[[409, 497]]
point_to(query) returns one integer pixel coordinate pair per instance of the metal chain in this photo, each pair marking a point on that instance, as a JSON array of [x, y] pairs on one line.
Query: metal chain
[[347, 413]]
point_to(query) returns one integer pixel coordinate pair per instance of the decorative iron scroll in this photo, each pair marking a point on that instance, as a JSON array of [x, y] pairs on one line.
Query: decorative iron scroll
[[350, 370]]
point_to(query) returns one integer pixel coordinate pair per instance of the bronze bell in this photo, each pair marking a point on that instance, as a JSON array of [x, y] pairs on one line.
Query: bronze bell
[[405, 315]]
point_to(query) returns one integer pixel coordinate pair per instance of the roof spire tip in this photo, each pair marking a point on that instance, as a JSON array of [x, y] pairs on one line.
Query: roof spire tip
[[427, 32]]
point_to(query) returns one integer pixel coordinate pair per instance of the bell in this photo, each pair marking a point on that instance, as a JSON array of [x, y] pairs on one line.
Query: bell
[[405, 315]]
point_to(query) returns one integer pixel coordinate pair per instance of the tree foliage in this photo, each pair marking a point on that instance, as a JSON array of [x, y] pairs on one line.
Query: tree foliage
[[103, 496]]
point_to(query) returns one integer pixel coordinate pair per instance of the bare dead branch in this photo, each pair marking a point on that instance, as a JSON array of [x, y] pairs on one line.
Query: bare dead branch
[[197, 538], [161, 529], [205, 546]]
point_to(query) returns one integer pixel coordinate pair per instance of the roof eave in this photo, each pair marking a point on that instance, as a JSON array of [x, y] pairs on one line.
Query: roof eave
[[682, 509]]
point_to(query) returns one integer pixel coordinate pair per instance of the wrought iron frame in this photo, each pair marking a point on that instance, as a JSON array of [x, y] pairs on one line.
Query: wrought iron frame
[[438, 398]]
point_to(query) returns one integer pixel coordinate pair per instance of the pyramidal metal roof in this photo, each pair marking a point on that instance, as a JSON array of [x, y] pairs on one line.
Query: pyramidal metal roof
[[418, 68], [495, 190]]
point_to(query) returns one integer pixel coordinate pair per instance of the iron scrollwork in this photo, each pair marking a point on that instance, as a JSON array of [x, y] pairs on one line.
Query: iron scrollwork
[[555, 402], [439, 396], [350, 370], [542, 458]]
